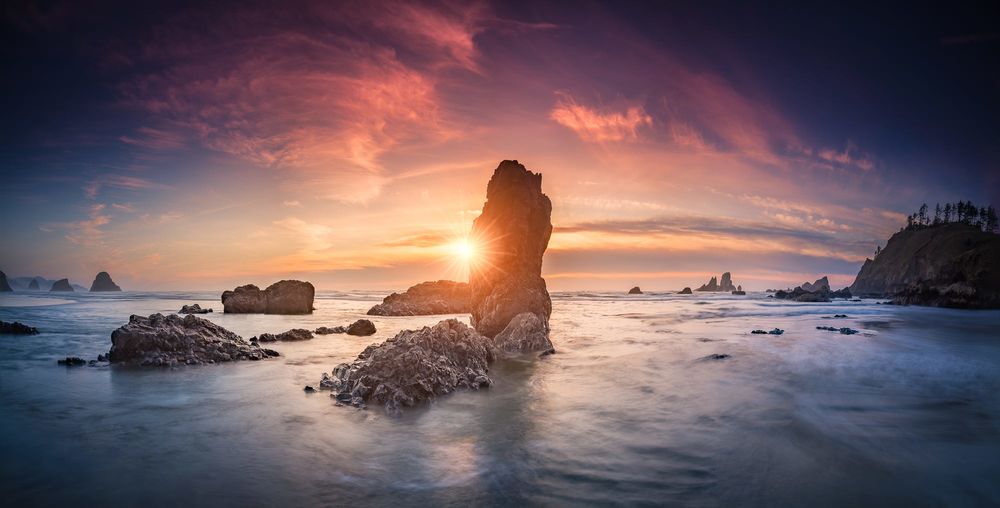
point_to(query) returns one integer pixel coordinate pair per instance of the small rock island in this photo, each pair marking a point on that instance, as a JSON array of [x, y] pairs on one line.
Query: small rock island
[[283, 297], [103, 282], [726, 284], [62, 285]]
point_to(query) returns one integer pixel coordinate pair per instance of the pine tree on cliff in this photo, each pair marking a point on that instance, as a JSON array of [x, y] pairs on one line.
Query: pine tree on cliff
[[922, 214], [937, 213], [947, 213], [991, 219]]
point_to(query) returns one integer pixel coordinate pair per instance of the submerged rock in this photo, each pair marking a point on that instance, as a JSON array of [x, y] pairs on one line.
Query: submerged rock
[[193, 309], [72, 361], [414, 366], [283, 297], [686, 291], [17, 328], [426, 298], [948, 265], [103, 282], [715, 356], [776, 331], [844, 331], [295, 334], [160, 340], [361, 327], [4, 285], [513, 232], [324, 330], [526, 333], [635, 291], [61, 285]]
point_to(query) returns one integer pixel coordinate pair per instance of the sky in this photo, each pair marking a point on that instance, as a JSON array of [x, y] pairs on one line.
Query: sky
[[193, 146]]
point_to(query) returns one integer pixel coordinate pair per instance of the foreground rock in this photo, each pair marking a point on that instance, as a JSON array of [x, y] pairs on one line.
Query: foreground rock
[[426, 298], [635, 291], [725, 285], [160, 340], [17, 328], [686, 291], [61, 285], [103, 282], [362, 328], [526, 333], [4, 285], [325, 330], [513, 232], [193, 309], [295, 334], [284, 297], [949, 265], [414, 366]]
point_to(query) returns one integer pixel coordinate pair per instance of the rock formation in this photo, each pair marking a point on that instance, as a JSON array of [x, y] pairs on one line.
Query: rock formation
[[160, 340], [103, 282], [361, 327], [686, 291], [426, 298], [284, 297], [61, 285], [295, 334], [635, 291], [4, 285], [16, 328], [821, 284], [513, 232], [325, 330], [33, 285], [713, 285], [527, 332], [414, 366], [949, 265], [193, 309], [739, 291]]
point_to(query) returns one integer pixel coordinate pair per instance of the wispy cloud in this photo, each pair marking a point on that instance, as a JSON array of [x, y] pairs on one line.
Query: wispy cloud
[[596, 125]]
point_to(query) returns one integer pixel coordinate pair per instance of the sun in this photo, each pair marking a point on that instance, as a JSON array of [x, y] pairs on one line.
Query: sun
[[464, 249]]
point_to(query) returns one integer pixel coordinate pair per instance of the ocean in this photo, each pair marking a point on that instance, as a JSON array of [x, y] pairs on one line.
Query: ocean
[[631, 410]]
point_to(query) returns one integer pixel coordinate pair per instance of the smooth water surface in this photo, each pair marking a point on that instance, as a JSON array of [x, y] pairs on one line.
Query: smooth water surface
[[628, 411]]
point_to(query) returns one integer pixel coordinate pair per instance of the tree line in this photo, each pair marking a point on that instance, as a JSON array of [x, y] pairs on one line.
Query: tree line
[[962, 212]]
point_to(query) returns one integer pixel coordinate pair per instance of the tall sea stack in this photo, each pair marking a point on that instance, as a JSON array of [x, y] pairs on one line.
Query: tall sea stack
[[62, 285], [4, 286], [512, 233], [103, 282]]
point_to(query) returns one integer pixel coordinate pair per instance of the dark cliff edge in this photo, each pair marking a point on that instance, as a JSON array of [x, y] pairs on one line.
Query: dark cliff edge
[[948, 265]]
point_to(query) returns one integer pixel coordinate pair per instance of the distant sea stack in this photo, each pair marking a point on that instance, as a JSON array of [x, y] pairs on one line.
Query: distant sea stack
[[4, 286], [284, 297], [685, 291], [947, 265], [33, 285], [514, 230], [103, 282], [726, 284], [821, 284], [426, 298], [62, 285], [635, 291]]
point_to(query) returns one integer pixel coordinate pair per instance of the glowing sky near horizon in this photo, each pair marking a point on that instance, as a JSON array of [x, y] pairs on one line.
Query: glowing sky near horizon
[[350, 143]]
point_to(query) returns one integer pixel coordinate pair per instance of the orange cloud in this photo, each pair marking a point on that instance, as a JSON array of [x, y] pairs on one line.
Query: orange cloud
[[599, 126]]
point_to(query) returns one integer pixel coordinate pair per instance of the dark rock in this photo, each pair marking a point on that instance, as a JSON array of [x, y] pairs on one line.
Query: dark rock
[[526, 333], [513, 231], [17, 328], [759, 332], [103, 282], [414, 366], [840, 315], [821, 284], [171, 340], [33, 285], [948, 265], [686, 291], [324, 330], [635, 291], [827, 328], [72, 361], [309, 389], [426, 298], [103, 358], [848, 331], [283, 297], [726, 284], [61, 285], [4, 285], [715, 356], [713, 285], [361, 327], [739, 293], [193, 309], [776, 331], [295, 334]]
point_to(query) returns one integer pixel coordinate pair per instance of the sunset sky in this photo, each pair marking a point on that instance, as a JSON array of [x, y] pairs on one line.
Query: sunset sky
[[350, 143]]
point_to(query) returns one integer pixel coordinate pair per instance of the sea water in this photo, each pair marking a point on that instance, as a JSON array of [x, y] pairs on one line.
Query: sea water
[[632, 410]]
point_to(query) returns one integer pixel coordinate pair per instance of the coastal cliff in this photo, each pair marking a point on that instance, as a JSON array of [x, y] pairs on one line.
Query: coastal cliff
[[948, 265]]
